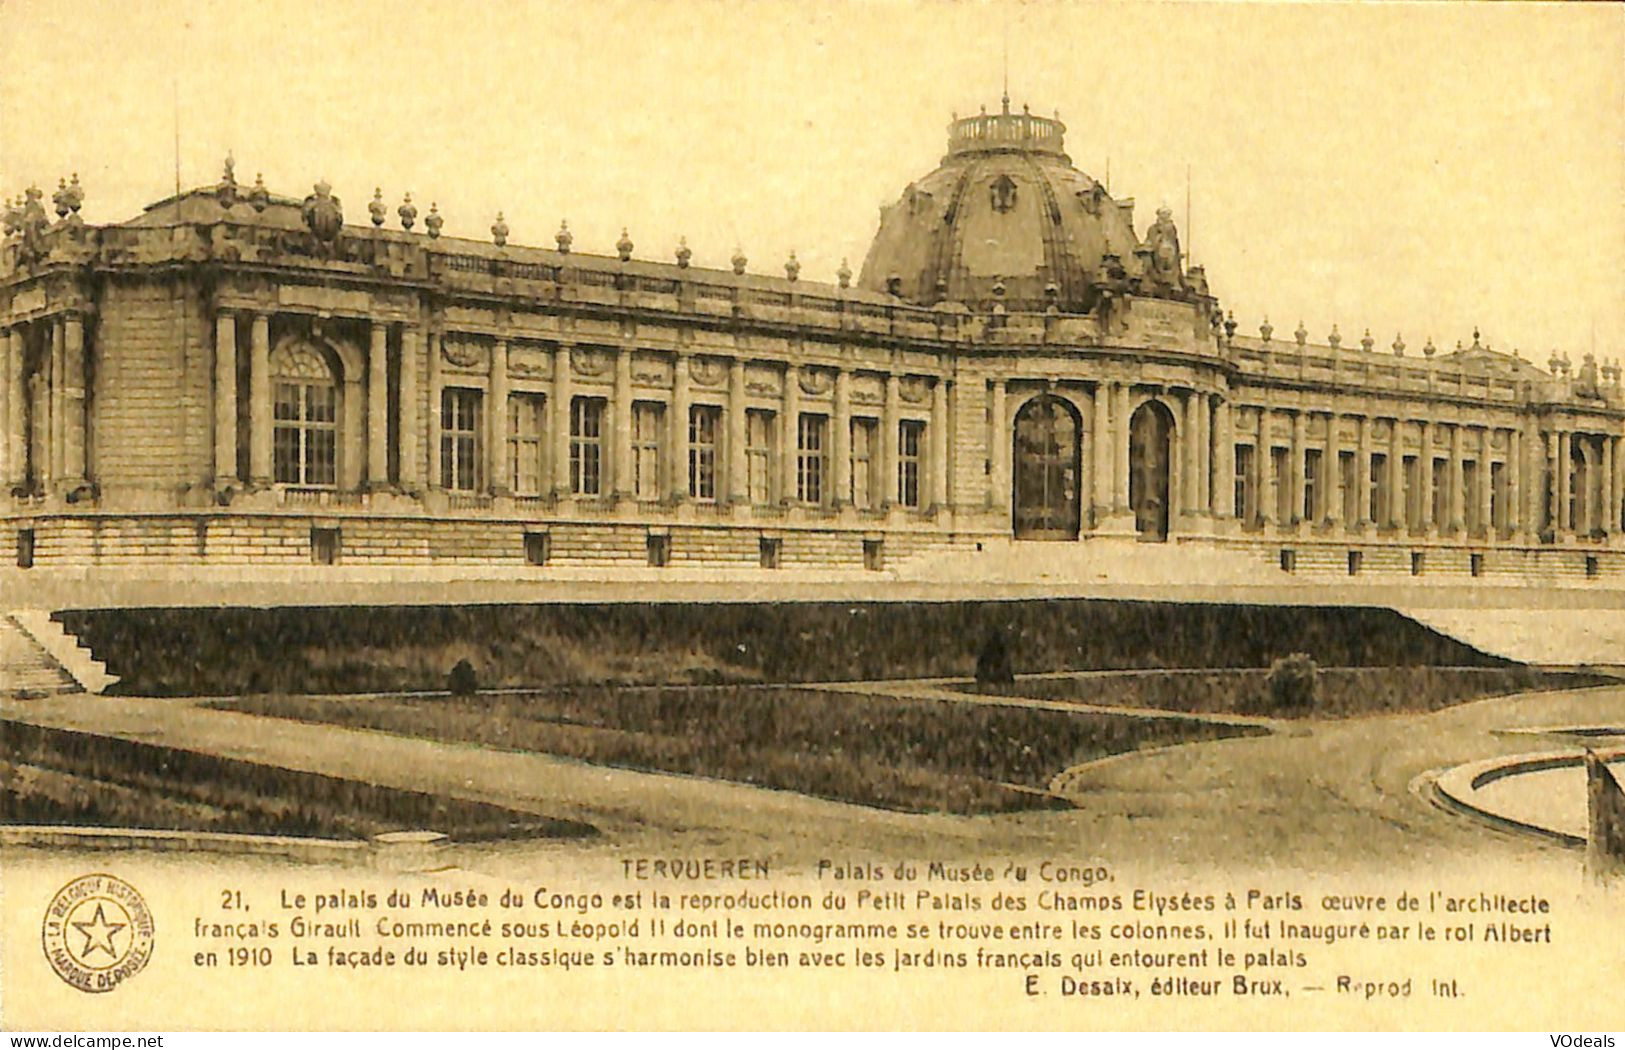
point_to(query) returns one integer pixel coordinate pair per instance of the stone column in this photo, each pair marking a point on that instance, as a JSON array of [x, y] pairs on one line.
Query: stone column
[[225, 398], [938, 440], [14, 346], [378, 406], [1616, 506], [788, 434], [1458, 488], [1224, 479], [1124, 421], [1515, 457], [8, 382], [74, 420], [1190, 487], [413, 343], [889, 422], [619, 419], [1101, 443], [998, 452], [738, 467], [841, 440], [39, 438], [496, 423], [1565, 481], [260, 423], [1425, 478], [436, 352], [1396, 475], [678, 445], [53, 400], [1486, 481], [1204, 455], [1609, 516], [1300, 427], [1333, 470], [559, 421], [1264, 453], [1362, 475]]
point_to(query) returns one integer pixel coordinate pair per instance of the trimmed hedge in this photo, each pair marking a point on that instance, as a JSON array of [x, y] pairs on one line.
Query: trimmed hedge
[[349, 649]]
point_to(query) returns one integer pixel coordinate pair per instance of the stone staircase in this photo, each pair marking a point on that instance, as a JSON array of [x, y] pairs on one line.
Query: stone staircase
[[26, 669], [38, 656]]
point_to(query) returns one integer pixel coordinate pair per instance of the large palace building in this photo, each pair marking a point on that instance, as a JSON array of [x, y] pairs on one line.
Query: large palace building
[[238, 378]]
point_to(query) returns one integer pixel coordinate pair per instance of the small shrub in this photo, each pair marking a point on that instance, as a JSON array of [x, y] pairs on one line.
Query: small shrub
[[1293, 683], [462, 679], [993, 662]]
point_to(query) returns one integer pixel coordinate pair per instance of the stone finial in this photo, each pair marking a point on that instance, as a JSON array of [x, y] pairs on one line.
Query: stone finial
[[1366, 342], [60, 198], [1476, 345], [226, 192], [1428, 349], [843, 276], [499, 231], [408, 213], [75, 196], [1556, 364], [259, 197], [894, 285], [942, 289], [1302, 334], [1230, 326], [1399, 345], [13, 216], [377, 208], [1334, 338], [623, 247], [684, 253], [1266, 329], [433, 221], [738, 260], [564, 238], [999, 288], [792, 266]]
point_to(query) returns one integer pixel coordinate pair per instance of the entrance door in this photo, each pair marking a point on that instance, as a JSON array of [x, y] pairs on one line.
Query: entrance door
[[1046, 457], [1150, 448]]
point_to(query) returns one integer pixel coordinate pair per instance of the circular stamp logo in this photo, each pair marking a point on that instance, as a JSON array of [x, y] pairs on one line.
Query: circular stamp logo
[[97, 932]]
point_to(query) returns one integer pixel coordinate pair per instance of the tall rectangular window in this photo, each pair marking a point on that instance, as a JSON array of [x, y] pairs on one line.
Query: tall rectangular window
[[1441, 493], [1280, 460], [704, 424], [760, 454], [460, 439], [587, 446], [525, 443], [1311, 484], [810, 430], [1379, 488], [1413, 492], [648, 423], [910, 441], [1470, 482], [304, 439], [864, 442], [1246, 482], [1500, 496], [1349, 475]]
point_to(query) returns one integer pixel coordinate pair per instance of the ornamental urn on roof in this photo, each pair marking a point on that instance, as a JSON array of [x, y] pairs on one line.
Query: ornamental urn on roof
[[323, 212], [408, 213], [433, 221], [377, 208], [623, 247], [564, 238], [259, 198], [843, 276], [684, 254], [792, 267], [499, 231], [739, 260], [226, 192]]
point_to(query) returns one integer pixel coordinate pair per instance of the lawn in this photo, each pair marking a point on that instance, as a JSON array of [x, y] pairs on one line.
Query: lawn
[[61, 777], [1344, 691], [913, 755]]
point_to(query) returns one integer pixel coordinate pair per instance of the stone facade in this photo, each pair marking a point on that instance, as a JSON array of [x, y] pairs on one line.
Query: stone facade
[[236, 378]]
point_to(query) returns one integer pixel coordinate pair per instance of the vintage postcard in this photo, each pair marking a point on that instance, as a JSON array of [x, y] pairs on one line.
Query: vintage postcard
[[823, 515]]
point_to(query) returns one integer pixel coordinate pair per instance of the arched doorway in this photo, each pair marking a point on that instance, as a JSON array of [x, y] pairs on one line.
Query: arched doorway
[[1150, 451], [1046, 458]]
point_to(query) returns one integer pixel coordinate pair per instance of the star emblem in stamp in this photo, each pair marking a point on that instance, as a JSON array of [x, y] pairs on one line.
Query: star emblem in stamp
[[97, 932]]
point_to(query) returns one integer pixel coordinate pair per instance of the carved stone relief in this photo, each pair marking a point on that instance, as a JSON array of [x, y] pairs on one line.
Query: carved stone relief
[[591, 361], [707, 371]]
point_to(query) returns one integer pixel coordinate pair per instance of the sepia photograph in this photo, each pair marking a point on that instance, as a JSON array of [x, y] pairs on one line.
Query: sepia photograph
[[843, 515]]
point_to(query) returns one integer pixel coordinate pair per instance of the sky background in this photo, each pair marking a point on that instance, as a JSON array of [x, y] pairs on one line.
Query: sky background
[[1412, 168]]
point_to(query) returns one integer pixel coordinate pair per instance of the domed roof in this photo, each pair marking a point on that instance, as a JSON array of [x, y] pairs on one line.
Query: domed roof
[[1007, 208]]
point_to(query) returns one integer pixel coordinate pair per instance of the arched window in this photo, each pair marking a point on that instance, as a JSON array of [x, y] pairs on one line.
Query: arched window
[[305, 438]]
